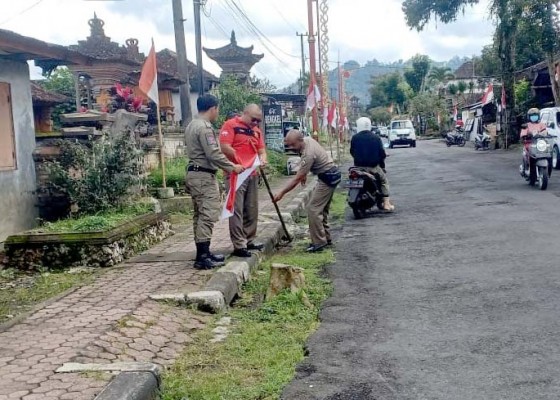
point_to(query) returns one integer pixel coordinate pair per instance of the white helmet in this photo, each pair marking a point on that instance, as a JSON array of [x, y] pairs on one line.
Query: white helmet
[[363, 124]]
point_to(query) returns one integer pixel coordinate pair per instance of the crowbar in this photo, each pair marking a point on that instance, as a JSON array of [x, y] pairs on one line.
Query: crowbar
[[265, 179]]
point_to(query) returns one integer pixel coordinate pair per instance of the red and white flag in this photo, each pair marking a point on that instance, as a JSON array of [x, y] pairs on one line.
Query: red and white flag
[[148, 78], [313, 96], [235, 182], [488, 95], [325, 116], [503, 102]]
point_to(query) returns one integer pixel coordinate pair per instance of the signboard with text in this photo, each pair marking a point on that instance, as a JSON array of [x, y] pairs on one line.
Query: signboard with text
[[273, 132]]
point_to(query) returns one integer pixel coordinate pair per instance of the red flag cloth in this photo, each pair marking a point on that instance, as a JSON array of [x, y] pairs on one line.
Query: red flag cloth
[[148, 78], [235, 182], [488, 95]]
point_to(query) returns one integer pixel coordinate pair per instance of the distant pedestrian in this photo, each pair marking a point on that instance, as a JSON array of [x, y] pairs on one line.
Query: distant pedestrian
[[316, 160], [205, 157], [241, 141]]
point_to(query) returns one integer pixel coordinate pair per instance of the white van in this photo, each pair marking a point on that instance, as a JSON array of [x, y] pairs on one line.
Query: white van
[[402, 132], [551, 118]]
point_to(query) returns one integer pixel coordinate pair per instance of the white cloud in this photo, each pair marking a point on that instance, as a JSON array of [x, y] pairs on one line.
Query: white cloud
[[359, 29]]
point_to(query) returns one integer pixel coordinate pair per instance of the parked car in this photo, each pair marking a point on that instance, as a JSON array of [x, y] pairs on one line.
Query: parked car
[[384, 132], [402, 133], [551, 118]]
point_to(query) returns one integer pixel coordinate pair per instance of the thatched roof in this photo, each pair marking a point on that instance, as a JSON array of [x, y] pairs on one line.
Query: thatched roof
[[40, 96]]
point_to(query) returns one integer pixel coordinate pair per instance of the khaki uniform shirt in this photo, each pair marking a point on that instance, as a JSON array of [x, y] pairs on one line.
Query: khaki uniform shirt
[[315, 158], [203, 148]]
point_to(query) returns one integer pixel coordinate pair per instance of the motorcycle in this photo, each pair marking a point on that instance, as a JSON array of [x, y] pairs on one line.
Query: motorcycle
[[456, 138], [482, 141], [537, 159], [363, 192]]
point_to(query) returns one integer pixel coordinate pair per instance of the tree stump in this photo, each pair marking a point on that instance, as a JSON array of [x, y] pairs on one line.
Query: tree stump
[[287, 277]]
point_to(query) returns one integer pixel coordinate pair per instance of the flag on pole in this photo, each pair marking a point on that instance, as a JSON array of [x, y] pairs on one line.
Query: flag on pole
[[235, 182], [148, 78], [333, 115], [455, 113], [325, 116], [488, 95], [503, 102], [313, 96]]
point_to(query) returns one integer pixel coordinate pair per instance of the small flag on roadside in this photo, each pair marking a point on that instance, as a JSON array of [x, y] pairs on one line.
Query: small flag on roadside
[[148, 78], [488, 95], [313, 96], [503, 102]]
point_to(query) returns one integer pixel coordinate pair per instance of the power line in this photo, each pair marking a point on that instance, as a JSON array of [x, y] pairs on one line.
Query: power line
[[257, 31], [221, 28], [249, 29], [22, 12]]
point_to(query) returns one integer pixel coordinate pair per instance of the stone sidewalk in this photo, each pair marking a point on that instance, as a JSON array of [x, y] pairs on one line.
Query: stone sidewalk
[[110, 320]]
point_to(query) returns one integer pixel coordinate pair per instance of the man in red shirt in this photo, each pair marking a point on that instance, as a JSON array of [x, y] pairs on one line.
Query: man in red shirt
[[241, 139]]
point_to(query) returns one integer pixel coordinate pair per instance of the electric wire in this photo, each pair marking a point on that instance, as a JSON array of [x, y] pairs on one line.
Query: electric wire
[[22, 12]]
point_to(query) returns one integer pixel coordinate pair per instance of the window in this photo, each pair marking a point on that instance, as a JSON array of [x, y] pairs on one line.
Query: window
[[7, 139], [401, 125]]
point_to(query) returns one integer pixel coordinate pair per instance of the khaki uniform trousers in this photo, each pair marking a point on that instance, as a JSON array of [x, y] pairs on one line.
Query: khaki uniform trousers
[[381, 179], [243, 223], [203, 188], [318, 213]]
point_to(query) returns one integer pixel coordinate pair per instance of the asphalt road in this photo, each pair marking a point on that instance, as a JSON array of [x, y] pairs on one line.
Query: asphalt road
[[455, 296]]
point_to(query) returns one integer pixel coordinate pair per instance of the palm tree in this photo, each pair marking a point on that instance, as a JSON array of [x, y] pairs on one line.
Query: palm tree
[[439, 75]]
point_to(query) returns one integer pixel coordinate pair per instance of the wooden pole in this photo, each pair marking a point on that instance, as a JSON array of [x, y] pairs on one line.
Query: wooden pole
[[161, 147], [312, 66]]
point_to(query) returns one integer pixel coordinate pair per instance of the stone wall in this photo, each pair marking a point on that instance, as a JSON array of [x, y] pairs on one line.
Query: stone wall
[[17, 202], [31, 252]]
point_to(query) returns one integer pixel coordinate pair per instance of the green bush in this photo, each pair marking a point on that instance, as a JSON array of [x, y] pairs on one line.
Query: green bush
[[174, 174], [97, 176], [276, 163]]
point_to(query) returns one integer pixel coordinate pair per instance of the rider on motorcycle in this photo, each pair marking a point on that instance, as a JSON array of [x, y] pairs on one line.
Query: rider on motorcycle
[[534, 124], [534, 127], [368, 152]]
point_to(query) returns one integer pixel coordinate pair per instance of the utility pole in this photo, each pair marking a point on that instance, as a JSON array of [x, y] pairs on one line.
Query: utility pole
[[182, 65], [312, 67], [198, 40], [301, 35]]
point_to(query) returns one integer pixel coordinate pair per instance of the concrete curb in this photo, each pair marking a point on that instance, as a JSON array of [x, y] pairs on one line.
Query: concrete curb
[[131, 386], [226, 283], [135, 380]]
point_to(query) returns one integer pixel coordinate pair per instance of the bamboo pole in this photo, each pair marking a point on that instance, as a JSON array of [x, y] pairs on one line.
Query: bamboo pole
[[161, 147]]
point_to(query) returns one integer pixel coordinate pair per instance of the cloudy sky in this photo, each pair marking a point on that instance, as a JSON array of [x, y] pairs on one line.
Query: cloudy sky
[[358, 29]]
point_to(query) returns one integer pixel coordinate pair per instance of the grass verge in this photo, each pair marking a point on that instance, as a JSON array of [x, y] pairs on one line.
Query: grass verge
[[99, 222], [266, 342], [19, 292]]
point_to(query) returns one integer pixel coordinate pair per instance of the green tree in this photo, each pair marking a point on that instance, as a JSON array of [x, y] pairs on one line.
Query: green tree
[[417, 76], [234, 97], [440, 75], [452, 89], [390, 89], [61, 80], [428, 106], [380, 115], [488, 63]]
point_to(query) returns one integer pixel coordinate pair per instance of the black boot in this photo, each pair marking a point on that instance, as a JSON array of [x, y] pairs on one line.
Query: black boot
[[219, 258], [203, 258]]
